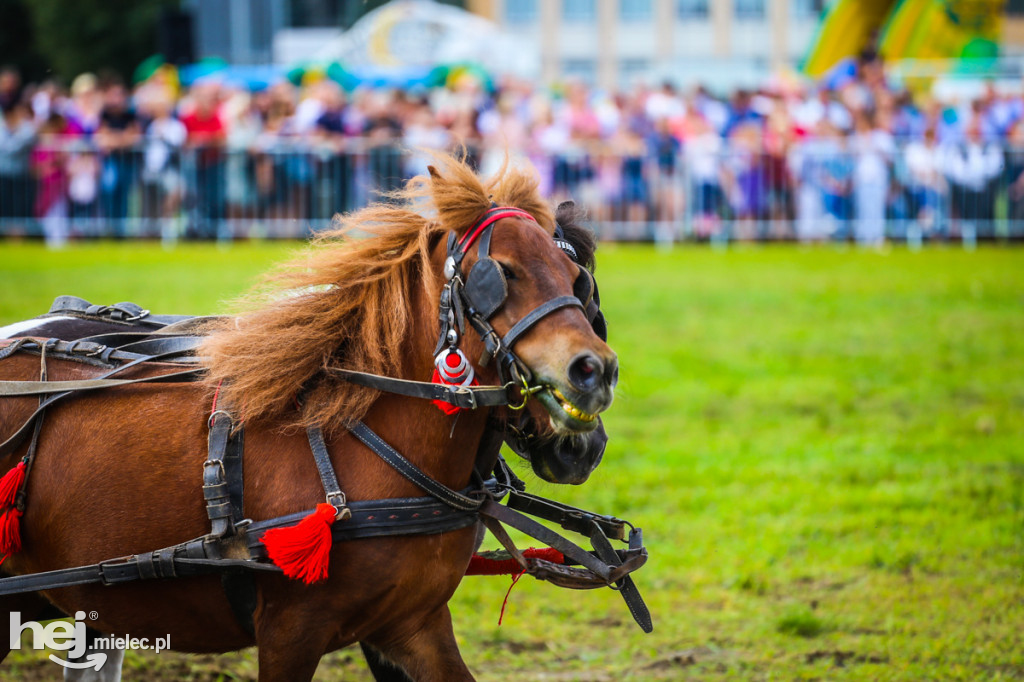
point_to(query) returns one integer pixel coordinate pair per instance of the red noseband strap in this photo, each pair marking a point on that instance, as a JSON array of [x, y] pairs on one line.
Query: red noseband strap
[[491, 217]]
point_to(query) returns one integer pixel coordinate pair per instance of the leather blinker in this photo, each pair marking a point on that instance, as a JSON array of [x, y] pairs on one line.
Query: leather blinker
[[583, 287], [486, 287]]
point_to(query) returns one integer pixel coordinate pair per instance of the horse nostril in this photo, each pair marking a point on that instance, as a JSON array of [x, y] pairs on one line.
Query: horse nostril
[[586, 372], [611, 372]]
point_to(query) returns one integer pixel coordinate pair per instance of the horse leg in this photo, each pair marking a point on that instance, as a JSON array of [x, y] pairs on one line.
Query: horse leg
[[111, 670], [430, 654], [382, 669], [288, 649]]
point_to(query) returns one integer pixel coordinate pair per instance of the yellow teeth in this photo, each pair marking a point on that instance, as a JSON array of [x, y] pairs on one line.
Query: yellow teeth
[[572, 410]]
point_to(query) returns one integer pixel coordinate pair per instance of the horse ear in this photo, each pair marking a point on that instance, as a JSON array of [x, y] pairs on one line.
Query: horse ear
[[433, 173]]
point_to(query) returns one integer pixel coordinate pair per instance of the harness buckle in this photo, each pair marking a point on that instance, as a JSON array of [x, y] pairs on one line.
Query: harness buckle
[[209, 422], [134, 318], [114, 571], [218, 464], [492, 345], [464, 391], [338, 500]]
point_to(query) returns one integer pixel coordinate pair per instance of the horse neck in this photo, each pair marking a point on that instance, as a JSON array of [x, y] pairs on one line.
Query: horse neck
[[443, 446]]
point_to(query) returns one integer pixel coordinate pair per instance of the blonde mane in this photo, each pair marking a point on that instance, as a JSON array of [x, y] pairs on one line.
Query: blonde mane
[[354, 306]]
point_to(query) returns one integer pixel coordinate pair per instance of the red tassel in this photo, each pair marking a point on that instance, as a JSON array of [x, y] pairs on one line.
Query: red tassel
[[302, 551], [480, 565], [10, 531], [10, 484], [515, 579]]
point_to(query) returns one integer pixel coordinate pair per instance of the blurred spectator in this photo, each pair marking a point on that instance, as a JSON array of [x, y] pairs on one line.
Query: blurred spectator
[[741, 112], [926, 186], [206, 134], [85, 109], [629, 149], [162, 183], [17, 135], [747, 177], [873, 147], [805, 163], [972, 169], [422, 131], [10, 87], [243, 115], [118, 136], [49, 167], [664, 104], [332, 130], [1015, 173], [702, 148], [382, 130], [850, 156], [665, 148], [836, 179]]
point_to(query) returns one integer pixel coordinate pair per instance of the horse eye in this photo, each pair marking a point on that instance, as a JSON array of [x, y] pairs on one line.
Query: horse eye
[[507, 271]]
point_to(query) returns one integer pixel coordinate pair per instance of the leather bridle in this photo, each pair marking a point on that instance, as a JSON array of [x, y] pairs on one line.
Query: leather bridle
[[477, 296]]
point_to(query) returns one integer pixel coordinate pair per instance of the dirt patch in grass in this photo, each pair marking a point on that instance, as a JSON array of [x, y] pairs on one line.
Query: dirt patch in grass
[[841, 659]]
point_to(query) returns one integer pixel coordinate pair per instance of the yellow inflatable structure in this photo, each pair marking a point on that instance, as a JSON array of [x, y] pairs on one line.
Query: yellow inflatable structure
[[906, 29]]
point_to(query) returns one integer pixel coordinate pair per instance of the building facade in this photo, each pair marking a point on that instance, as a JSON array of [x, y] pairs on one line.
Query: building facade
[[613, 43]]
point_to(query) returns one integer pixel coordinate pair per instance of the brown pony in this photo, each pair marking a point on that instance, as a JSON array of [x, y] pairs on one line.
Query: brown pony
[[117, 472]]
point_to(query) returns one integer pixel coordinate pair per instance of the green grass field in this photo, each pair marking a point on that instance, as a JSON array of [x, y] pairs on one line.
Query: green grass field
[[825, 449]]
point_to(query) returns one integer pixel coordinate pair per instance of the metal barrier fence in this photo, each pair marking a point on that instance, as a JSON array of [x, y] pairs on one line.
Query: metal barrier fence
[[835, 189]]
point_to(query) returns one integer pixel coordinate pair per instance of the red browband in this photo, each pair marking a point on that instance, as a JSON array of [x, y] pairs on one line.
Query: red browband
[[492, 216]]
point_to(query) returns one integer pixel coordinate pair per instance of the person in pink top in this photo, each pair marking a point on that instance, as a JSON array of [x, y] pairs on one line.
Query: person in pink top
[[206, 136], [49, 167]]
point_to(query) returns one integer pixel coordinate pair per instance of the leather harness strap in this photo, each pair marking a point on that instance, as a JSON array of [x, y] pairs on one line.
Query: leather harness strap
[[536, 315], [626, 586], [410, 471], [159, 564], [222, 475], [223, 490], [469, 397], [332, 490], [125, 313], [97, 352], [568, 517], [10, 389]]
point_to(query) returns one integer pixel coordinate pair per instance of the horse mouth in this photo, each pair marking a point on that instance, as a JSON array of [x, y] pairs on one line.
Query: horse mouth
[[565, 416]]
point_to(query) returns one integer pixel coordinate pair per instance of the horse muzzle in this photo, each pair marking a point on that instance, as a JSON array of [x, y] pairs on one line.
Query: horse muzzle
[[586, 390]]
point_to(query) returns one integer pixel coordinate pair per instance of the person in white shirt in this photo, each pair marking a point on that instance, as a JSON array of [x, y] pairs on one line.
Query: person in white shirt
[[972, 169], [873, 148], [162, 183], [925, 184]]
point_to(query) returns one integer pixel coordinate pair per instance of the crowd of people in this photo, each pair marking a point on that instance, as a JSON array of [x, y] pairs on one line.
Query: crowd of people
[[849, 157]]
